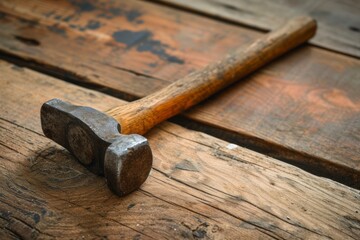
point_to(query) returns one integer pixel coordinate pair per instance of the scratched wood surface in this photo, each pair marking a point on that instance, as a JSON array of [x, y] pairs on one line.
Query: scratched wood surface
[[303, 108], [200, 187], [338, 20]]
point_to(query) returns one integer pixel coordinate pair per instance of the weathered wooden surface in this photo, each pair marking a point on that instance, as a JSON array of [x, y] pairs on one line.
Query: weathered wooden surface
[[200, 187], [338, 20], [303, 108]]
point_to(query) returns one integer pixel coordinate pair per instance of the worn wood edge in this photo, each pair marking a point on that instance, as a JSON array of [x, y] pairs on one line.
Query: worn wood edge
[[252, 25], [196, 193]]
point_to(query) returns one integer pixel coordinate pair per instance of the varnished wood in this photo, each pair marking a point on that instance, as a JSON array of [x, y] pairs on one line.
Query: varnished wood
[[200, 186], [302, 108], [140, 116], [338, 20]]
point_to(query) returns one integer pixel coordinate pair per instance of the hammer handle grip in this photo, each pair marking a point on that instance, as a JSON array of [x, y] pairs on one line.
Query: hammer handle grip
[[141, 115]]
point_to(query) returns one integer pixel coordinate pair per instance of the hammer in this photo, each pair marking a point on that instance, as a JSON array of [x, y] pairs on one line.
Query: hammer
[[111, 144]]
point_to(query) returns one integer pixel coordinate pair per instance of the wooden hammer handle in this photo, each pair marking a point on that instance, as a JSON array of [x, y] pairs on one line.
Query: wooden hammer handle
[[141, 115]]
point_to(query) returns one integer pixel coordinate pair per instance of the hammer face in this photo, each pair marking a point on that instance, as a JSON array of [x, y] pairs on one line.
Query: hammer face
[[84, 131], [127, 164]]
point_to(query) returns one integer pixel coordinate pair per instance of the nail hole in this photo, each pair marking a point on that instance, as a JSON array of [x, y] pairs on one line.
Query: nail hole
[[28, 41]]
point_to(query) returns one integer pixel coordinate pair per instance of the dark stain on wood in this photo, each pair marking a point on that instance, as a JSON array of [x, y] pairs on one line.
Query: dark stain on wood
[[201, 230], [131, 38], [30, 23], [5, 214], [131, 15], [137, 237], [130, 206], [158, 48], [43, 211], [153, 64], [106, 15], [73, 26], [199, 233], [187, 166], [27, 41], [36, 218], [49, 14], [83, 5], [69, 18], [115, 11], [353, 223], [144, 43], [93, 24], [110, 13], [354, 29], [57, 29]]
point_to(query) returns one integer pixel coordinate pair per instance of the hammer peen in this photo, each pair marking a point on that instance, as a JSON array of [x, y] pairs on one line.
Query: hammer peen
[[109, 144]]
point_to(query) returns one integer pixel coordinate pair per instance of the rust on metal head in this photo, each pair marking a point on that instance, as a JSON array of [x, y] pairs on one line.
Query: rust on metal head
[[94, 139]]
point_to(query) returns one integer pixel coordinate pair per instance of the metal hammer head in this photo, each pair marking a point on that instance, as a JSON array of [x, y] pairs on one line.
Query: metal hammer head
[[94, 138]]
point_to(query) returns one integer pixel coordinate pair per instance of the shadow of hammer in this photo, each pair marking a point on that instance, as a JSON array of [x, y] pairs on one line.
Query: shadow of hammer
[[126, 159]]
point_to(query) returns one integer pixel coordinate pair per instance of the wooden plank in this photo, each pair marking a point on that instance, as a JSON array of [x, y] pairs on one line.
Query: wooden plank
[[338, 20], [303, 108], [45, 193]]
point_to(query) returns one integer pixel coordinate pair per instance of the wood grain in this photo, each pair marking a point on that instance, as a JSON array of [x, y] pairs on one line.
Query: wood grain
[[200, 186], [338, 20], [303, 108], [141, 115]]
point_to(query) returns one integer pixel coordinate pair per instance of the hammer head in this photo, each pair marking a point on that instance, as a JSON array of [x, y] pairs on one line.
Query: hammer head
[[94, 139]]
